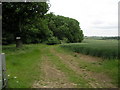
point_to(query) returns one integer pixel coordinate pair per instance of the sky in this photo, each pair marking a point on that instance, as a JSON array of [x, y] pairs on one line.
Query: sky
[[96, 17]]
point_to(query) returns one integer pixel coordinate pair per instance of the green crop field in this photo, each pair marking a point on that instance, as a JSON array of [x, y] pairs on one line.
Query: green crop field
[[101, 48]]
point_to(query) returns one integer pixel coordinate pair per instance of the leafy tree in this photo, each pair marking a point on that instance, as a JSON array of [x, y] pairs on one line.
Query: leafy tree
[[17, 15], [28, 21], [65, 28]]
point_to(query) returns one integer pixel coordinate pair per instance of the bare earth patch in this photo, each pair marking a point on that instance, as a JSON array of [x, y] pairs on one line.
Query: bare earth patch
[[95, 80], [52, 77]]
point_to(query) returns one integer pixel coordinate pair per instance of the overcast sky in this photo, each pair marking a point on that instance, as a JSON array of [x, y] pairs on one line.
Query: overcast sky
[[96, 17]]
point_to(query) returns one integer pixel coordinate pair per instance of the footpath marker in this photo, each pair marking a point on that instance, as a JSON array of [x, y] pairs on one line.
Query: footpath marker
[[3, 78], [0, 71]]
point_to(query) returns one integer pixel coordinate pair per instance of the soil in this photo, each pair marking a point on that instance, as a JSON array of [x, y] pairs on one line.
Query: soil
[[52, 77]]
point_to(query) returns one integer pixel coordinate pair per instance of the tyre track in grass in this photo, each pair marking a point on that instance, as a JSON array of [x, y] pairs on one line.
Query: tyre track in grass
[[95, 80], [51, 77]]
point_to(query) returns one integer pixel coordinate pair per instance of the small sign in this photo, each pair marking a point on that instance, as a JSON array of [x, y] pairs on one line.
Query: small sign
[[18, 37]]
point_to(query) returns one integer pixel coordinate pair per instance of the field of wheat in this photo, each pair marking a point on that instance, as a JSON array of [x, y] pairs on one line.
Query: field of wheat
[[101, 48]]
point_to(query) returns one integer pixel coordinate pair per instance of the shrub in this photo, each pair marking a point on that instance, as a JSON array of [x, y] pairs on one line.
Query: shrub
[[65, 40], [52, 41]]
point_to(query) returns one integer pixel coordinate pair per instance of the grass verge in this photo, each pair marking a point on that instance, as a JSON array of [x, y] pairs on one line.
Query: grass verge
[[22, 65]]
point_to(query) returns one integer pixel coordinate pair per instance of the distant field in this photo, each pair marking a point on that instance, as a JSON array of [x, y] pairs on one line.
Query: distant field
[[101, 48]]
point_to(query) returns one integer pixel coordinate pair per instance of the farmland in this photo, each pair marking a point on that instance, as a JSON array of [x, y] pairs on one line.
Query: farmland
[[101, 48], [52, 66]]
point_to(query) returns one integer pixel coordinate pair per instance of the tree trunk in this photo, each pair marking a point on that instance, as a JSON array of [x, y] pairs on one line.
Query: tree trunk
[[18, 43]]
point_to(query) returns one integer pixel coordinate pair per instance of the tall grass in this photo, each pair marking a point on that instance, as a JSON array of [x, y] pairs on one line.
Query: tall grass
[[101, 48]]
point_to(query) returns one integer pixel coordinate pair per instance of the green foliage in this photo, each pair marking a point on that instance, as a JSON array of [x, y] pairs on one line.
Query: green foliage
[[37, 32], [52, 41], [100, 48], [65, 40], [28, 21], [19, 19], [65, 27], [8, 39]]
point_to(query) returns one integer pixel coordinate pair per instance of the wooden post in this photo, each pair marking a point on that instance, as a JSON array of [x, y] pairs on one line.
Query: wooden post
[[1, 71], [3, 77], [18, 42]]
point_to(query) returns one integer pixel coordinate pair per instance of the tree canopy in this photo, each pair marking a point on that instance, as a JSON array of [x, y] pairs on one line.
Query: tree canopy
[[30, 22], [65, 28], [17, 15]]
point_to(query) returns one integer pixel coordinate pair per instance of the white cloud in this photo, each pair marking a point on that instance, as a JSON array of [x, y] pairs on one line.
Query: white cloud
[[90, 14]]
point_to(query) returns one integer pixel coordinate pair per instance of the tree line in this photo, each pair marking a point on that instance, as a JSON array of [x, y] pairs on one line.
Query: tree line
[[32, 24], [107, 38]]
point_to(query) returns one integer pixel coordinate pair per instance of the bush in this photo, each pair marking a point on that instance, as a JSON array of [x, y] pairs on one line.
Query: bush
[[52, 41], [65, 40]]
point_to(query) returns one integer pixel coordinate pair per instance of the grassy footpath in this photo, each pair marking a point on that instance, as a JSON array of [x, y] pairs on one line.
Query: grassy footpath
[[72, 75], [23, 65]]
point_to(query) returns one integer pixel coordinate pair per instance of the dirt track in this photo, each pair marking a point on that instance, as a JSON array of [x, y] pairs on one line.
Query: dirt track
[[52, 77]]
